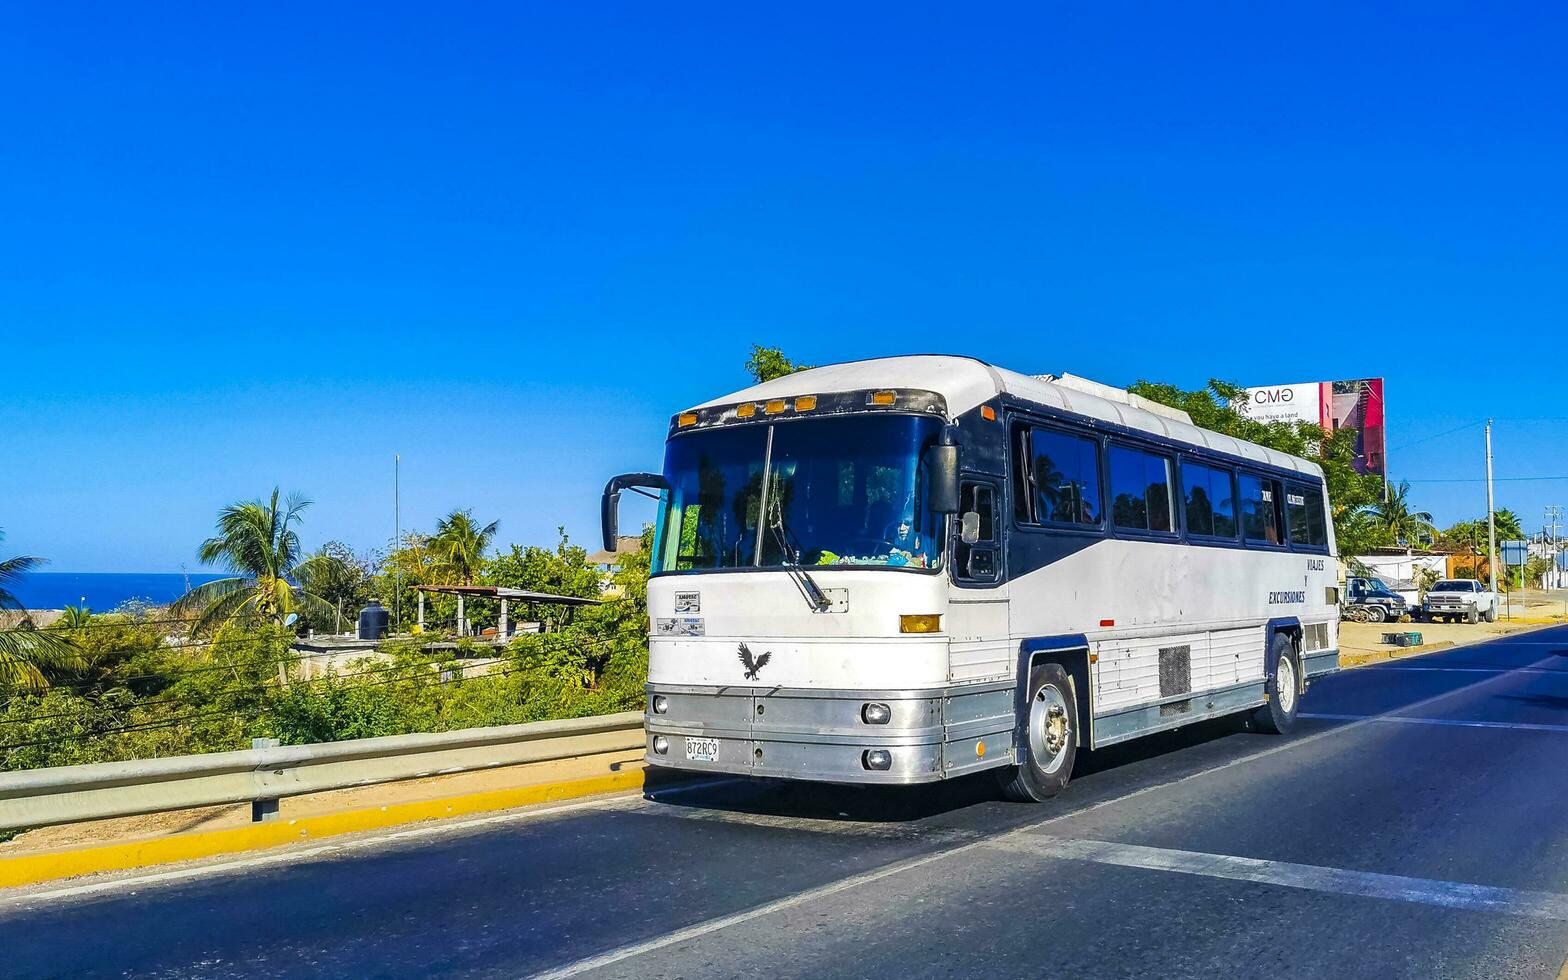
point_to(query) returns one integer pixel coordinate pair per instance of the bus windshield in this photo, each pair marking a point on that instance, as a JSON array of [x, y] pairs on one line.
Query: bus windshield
[[845, 491]]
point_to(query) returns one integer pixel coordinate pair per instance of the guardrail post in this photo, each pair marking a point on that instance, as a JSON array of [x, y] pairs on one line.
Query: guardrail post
[[262, 811]]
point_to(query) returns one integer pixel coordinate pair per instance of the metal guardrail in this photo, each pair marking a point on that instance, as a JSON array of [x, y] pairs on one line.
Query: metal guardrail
[[268, 772]]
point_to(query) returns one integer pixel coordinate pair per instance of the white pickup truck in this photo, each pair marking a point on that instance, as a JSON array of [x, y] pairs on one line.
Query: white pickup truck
[[1453, 599]]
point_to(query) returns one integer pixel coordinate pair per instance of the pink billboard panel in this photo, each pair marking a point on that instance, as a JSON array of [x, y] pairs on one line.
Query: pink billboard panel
[[1334, 405]]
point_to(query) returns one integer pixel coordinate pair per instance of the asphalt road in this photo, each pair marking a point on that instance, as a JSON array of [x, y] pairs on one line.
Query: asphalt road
[[1414, 825]]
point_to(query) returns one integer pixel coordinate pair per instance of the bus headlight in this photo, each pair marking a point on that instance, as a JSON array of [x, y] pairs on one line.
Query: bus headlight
[[661, 704], [661, 745], [879, 759], [876, 714]]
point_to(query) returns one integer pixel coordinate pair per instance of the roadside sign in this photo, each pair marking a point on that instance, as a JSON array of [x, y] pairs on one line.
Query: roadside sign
[[1515, 552]]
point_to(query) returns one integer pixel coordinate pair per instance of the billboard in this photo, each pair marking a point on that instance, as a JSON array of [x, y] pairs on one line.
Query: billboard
[[1334, 405]]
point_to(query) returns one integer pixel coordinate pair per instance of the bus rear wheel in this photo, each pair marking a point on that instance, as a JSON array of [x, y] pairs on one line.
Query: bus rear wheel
[[1278, 715], [1050, 738]]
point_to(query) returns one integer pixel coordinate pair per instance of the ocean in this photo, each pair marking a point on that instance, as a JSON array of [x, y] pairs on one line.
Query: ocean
[[102, 591]]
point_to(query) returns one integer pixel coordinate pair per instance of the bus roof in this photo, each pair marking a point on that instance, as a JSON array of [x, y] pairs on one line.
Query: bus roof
[[965, 382]]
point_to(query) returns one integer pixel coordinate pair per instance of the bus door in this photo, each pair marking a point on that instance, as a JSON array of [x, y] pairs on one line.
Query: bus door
[[977, 615]]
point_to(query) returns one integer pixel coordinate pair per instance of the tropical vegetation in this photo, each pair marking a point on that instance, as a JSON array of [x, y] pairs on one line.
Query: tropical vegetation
[[26, 654], [1395, 520], [257, 541]]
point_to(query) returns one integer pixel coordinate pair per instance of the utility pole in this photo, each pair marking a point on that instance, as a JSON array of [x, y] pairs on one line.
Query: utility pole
[[1491, 513], [1554, 517], [397, 522]]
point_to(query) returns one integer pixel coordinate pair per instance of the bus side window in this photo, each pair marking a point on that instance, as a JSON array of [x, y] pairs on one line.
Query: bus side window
[[1308, 523], [1262, 515], [976, 561]]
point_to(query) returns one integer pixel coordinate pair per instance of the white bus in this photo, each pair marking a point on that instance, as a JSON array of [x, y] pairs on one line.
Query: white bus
[[913, 568]]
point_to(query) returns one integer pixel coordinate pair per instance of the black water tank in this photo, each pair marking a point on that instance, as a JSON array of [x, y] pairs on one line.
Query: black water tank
[[373, 621]]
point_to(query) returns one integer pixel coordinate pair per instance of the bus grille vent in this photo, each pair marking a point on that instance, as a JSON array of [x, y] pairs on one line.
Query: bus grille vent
[[1175, 671]]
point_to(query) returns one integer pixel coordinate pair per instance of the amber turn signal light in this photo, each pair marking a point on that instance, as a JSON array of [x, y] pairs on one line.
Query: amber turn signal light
[[928, 623]]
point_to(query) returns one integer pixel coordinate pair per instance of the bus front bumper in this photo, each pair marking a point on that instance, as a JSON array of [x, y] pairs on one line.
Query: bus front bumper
[[831, 736]]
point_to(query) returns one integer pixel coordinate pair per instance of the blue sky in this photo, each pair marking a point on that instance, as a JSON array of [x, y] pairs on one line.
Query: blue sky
[[276, 246]]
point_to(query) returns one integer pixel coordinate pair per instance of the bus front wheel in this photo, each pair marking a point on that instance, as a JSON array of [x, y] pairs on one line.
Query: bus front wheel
[[1050, 738], [1278, 715]]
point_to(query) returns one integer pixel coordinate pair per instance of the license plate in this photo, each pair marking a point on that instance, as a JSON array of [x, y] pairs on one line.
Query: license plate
[[702, 749]]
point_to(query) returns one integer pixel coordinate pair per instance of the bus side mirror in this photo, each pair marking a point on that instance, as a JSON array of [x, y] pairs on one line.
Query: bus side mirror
[[610, 503], [942, 469]]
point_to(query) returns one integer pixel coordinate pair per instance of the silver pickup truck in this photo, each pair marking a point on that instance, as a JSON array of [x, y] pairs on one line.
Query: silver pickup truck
[[1453, 599]]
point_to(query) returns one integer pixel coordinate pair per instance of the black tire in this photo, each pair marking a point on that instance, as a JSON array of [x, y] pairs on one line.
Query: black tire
[[1491, 614], [1036, 779], [1375, 614], [1473, 616], [1278, 715]]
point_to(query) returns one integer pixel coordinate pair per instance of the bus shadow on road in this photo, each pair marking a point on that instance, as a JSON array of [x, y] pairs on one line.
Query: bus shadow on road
[[822, 801]]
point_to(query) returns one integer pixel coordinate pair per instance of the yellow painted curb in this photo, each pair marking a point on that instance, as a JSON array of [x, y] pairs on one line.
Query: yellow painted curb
[[28, 869]]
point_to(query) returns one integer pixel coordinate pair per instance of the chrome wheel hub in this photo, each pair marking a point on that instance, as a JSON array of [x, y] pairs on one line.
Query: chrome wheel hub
[[1049, 731], [1285, 684]]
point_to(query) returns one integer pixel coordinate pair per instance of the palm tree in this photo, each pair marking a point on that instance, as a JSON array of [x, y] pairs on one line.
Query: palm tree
[[459, 546], [75, 618], [257, 542], [1394, 516], [1509, 527], [333, 574], [26, 654]]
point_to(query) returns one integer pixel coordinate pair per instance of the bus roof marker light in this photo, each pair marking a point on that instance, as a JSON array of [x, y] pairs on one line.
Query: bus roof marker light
[[686, 418], [775, 406], [988, 413], [882, 398], [745, 411], [805, 403]]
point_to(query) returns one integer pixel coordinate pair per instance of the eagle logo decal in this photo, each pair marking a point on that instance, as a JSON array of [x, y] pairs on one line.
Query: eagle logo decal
[[752, 665]]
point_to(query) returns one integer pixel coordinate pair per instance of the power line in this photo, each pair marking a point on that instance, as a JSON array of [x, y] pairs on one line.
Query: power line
[[60, 626], [1482, 479], [1449, 432]]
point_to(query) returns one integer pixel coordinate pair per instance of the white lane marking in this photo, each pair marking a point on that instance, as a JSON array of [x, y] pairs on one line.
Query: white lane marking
[[623, 953], [1311, 877], [1470, 670], [714, 925], [290, 855], [1454, 722]]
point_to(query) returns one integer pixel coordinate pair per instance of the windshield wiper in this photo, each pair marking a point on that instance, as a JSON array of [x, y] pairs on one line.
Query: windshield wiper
[[808, 587]]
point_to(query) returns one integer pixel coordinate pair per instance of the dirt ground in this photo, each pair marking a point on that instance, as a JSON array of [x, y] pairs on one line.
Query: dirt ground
[[1362, 643]]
